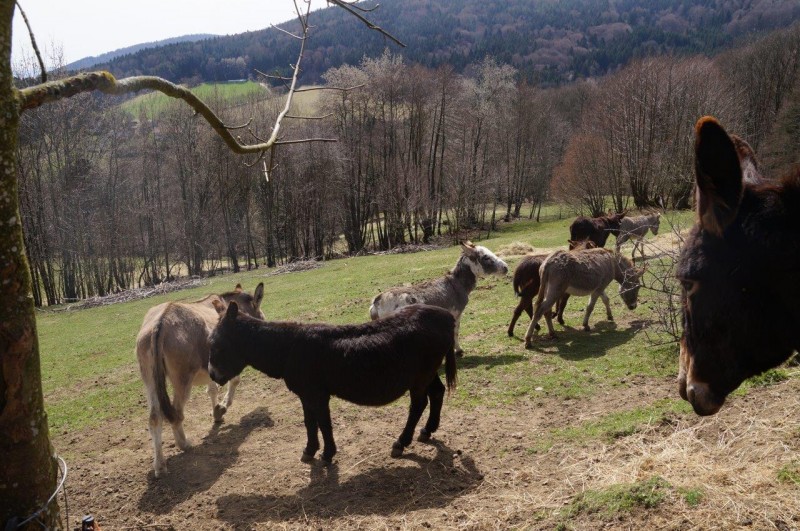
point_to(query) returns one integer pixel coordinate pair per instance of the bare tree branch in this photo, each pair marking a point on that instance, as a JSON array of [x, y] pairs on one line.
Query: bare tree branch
[[289, 33], [310, 117], [303, 140], [344, 89], [353, 11], [32, 97], [33, 43]]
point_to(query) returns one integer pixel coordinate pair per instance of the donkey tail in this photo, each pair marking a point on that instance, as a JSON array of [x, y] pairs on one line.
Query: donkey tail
[[544, 272], [160, 376], [450, 370], [373, 308]]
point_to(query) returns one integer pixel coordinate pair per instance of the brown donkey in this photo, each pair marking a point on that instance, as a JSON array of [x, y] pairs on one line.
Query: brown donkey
[[740, 271], [526, 284], [173, 343], [586, 272]]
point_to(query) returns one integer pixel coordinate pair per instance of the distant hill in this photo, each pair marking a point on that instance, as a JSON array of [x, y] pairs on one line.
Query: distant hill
[[547, 40], [88, 62]]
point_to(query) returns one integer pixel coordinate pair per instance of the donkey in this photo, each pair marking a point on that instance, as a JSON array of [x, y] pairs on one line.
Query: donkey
[[450, 292], [173, 343], [369, 364], [526, 284], [635, 228], [595, 229], [585, 272], [739, 270]]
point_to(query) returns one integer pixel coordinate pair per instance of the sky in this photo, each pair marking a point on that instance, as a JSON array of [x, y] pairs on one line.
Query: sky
[[82, 28]]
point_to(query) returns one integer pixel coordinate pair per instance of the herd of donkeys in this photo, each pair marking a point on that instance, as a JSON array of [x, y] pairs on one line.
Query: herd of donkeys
[[414, 330]]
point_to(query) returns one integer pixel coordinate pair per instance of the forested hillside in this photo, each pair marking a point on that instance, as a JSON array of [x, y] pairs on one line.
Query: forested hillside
[[88, 62], [546, 40]]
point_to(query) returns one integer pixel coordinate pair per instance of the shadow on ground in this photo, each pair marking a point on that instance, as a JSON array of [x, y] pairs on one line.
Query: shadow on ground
[[394, 486], [197, 469], [576, 344]]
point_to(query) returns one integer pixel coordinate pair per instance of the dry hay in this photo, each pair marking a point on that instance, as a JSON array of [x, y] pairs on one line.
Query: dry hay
[[136, 294], [517, 249], [294, 267], [412, 248]]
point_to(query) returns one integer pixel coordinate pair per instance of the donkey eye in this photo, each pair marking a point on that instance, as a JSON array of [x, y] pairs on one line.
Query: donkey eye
[[689, 286]]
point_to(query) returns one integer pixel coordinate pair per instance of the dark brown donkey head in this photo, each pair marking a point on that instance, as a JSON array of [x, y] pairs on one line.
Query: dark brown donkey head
[[740, 271]]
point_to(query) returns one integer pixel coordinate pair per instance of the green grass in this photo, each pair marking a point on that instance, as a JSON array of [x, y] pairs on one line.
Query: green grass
[[155, 103], [790, 473], [615, 425], [692, 497], [618, 499], [220, 95]]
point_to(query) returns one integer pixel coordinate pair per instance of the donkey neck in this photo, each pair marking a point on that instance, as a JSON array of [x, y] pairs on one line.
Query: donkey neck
[[463, 274], [265, 347], [622, 268]]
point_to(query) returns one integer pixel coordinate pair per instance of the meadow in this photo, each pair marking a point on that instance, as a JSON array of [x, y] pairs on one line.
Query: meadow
[[231, 94], [583, 432]]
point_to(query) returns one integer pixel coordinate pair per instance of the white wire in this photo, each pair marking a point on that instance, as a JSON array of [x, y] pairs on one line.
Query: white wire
[[52, 497]]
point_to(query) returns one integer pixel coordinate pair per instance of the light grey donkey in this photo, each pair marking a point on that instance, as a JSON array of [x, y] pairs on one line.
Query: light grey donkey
[[450, 292], [635, 228]]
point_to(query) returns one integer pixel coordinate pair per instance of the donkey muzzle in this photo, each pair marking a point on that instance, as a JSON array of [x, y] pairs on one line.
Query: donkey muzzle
[[216, 377]]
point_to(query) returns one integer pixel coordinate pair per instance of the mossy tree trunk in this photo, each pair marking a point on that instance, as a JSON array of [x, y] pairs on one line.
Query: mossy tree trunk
[[28, 472]]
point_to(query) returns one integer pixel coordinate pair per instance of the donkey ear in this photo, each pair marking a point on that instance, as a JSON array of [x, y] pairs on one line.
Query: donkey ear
[[233, 310], [467, 246], [718, 175], [258, 294], [238, 288], [219, 306]]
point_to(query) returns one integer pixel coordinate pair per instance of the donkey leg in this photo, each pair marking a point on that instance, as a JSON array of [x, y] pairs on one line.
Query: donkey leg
[[183, 390], [459, 350], [551, 331], [326, 427], [533, 327], [155, 424], [560, 305], [419, 399], [589, 308], [221, 409], [212, 390], [310, 420], [608, 305], [436, 396], [515, 316]]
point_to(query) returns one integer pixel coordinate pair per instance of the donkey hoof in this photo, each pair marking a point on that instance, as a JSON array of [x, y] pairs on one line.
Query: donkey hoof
[[459, 353], [424, 435], [397, 449], [510, 333], [587, 329], [219, 412], [307, 458], [537, 327], [327, 461]]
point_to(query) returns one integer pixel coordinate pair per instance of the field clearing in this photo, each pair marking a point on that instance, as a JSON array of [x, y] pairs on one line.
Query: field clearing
[[155, 103], [584, 432]]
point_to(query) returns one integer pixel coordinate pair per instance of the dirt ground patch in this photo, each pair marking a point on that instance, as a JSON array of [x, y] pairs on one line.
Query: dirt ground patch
[[479, 472]]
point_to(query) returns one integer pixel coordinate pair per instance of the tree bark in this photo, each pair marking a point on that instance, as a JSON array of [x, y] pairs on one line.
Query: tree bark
[[28, 471]]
